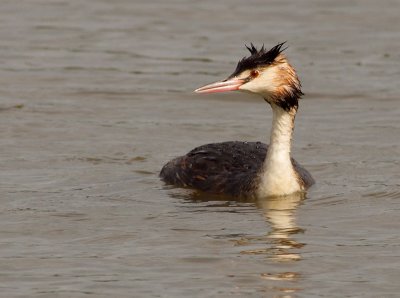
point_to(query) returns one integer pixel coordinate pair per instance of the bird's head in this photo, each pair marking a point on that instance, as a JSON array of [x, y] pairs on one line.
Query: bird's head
[[266, 73]]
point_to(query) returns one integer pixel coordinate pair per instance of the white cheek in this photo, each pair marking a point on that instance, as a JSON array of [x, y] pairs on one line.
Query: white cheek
[[263, 85]]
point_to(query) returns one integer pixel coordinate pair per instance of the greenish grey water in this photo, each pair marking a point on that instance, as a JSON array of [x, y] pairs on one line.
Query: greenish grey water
[[96, 97]]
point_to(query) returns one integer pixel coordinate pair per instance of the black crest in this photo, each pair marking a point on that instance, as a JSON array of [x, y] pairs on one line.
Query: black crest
[[259, 57]]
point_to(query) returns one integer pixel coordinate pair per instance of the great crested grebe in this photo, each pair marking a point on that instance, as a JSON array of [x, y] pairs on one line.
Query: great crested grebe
[[250, 169]]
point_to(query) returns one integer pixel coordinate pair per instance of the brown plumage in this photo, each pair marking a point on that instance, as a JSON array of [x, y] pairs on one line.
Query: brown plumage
[[230, 168]]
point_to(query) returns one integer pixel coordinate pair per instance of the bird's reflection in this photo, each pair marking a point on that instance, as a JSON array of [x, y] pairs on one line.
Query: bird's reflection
[[277, 245], [279, 213]]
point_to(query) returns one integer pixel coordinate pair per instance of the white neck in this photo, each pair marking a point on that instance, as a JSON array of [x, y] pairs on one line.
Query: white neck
[[278, 176]]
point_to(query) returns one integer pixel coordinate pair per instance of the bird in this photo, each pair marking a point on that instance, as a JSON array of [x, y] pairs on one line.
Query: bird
[[242, 169]]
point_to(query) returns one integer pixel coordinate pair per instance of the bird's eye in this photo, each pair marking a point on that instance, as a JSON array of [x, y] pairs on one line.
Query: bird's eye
[[254, 73]]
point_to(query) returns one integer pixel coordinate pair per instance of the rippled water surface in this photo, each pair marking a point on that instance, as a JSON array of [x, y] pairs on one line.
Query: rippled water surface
[[95, 96]]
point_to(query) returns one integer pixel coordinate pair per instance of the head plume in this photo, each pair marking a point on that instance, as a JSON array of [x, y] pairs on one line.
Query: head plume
[[260, 57]]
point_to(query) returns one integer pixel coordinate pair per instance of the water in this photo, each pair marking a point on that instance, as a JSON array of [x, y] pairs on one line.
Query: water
[[96, 97]]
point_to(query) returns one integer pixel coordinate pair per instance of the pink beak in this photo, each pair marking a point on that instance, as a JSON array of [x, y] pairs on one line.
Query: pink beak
[[222, 86]]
